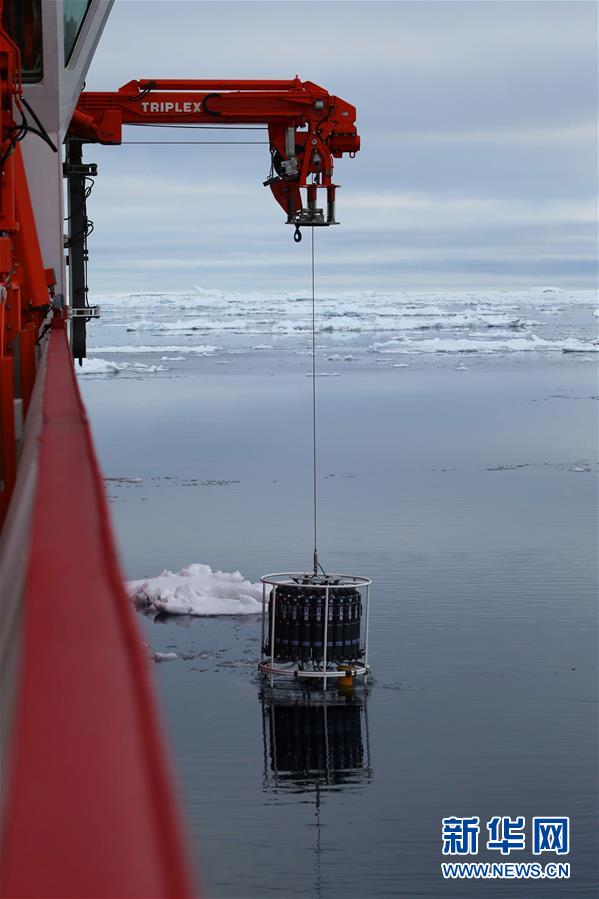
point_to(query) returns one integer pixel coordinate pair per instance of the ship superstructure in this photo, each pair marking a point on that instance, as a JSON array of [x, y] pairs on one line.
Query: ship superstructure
[[88, 806]]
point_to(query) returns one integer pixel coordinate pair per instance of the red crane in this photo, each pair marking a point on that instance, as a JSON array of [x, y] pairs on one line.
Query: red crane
[[307, 128]]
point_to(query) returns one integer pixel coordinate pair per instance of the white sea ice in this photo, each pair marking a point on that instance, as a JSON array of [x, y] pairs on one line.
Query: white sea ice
[[106, 367], [421, 322], [572, 345], [197, 590], [475, 344], [165, 656], [101, 367], [200, 350], [125, 480]]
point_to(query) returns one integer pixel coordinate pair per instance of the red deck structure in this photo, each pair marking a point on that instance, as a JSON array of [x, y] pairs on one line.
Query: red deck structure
[[89, 807]]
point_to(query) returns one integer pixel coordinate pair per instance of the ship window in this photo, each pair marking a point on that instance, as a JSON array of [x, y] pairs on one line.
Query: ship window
[[22, 19], [73, 15]]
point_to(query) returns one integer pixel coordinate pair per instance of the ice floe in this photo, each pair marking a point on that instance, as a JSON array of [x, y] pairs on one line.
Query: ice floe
[[124, 480], [101, 367], [476, 344], [571, 345], [106, 367], [197, 590], [130, 349]]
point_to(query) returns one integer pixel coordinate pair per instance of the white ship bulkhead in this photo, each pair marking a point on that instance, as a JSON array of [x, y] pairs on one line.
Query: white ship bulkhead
[[54, 97]]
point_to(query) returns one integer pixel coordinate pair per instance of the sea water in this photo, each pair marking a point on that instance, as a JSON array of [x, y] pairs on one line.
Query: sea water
[[457, 468]]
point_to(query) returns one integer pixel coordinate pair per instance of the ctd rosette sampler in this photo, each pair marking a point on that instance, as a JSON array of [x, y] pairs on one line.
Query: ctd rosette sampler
[[315, 626]]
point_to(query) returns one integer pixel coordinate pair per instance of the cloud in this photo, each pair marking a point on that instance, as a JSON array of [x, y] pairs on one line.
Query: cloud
[[478, 160]]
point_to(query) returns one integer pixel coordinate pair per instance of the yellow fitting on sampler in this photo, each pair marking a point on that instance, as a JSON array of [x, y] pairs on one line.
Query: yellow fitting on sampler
[[347, 680]]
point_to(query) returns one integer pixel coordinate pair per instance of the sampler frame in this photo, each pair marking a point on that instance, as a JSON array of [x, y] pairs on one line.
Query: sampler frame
[[304, 668]]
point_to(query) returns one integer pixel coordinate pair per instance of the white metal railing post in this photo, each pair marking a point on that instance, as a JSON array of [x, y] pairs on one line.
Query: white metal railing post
[[366, 627], [326, 740], [272, 628], [325, 635], [263, 621]]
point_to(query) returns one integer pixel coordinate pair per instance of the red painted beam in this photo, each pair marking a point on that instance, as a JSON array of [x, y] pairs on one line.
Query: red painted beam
[[26, 242], [8, 467], [89, 809]]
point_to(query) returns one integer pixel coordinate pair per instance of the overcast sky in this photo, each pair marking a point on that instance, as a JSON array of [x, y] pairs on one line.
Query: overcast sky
[[478, 165]]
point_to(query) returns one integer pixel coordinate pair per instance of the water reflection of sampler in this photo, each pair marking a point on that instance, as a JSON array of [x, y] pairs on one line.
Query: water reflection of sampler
[[314, 738], [314, 741]]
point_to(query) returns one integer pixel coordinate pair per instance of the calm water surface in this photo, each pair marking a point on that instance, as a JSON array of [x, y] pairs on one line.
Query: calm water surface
[[469, 497]]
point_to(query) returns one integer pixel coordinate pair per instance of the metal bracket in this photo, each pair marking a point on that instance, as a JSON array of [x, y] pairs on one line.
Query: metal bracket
[[89, 170], [310, 218], [86, 312]]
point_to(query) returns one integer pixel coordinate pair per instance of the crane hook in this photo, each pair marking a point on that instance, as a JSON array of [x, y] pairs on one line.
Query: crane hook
[[297, 234]]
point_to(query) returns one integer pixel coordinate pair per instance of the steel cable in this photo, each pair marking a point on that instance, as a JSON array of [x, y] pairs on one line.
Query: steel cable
[[314, 406]]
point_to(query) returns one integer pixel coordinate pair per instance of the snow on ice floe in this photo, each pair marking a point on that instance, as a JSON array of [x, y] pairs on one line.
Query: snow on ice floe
[[475, 344], [191, 324], [129, 349], [106, 367], [571, 345], [197, 590], [336, 357]]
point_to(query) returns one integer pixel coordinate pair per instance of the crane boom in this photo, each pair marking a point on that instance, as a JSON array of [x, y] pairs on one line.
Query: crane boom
[[307, 128]]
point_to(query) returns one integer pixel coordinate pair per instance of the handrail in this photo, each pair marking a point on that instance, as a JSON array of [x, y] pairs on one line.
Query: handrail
[[90, 809]]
